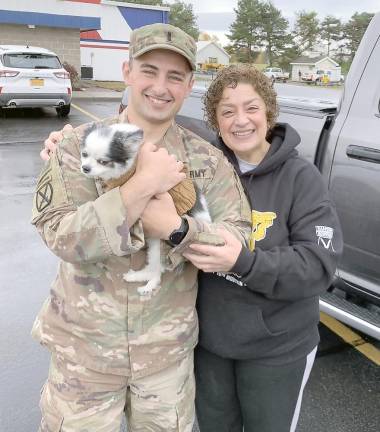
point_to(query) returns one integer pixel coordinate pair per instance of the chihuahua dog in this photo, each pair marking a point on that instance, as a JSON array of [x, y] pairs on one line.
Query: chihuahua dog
[[108, 153]]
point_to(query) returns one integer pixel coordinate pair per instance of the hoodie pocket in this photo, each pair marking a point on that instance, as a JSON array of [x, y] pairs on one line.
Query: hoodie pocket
[[247, 323]]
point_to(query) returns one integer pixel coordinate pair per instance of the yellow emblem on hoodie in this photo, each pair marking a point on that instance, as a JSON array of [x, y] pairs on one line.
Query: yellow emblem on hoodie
[[261, 221]]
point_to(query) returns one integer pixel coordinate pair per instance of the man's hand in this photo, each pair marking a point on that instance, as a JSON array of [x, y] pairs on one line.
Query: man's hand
[[158, 170], [160, 217], [50, 144], [215, 258]]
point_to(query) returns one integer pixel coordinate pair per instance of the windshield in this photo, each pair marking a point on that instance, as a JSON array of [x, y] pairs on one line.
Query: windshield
[[31, 61]]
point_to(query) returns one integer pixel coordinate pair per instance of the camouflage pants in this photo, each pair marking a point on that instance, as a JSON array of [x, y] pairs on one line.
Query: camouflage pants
[[76, 399]]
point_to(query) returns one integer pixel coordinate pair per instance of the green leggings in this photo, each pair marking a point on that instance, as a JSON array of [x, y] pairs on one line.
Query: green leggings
[[231, 394]]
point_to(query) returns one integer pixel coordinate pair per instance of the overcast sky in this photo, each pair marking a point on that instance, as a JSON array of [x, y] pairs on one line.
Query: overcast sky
[[216, 16]]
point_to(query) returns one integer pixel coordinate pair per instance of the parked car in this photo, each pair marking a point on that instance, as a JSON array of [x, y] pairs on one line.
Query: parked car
[[33, 77], [276, 74], [322, 76]]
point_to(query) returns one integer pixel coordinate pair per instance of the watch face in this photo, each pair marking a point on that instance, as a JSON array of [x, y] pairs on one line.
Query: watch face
[[176, 237], [179, 234]]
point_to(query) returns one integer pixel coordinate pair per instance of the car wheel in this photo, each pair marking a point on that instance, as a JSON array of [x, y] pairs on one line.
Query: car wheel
[[63, 111]]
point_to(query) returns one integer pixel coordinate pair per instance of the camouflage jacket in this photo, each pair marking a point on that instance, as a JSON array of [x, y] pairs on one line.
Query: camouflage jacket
[[93, 316]]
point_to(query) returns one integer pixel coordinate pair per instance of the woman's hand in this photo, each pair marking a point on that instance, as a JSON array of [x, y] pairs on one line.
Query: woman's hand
[[215, 258], [51, 143]]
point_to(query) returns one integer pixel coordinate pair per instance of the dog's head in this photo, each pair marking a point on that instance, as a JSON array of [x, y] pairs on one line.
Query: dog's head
[[109, 152]]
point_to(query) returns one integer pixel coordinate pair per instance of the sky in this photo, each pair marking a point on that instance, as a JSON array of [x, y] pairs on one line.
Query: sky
[[216, 16]]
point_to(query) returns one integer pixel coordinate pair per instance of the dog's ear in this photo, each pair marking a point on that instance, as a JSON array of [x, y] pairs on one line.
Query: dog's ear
[[93, 126], [129, 139]]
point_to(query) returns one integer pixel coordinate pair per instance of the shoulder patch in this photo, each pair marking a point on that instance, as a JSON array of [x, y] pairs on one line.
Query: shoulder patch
[[50, 189], [44, 193]]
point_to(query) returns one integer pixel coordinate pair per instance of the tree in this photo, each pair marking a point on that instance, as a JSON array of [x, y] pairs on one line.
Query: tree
[[182, 16], [246, 29], [354, 30], [306, 29], [274, 33], [331, 30]]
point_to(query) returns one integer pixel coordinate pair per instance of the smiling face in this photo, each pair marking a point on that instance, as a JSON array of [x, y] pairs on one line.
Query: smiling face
[[158, 81], [242, 120]]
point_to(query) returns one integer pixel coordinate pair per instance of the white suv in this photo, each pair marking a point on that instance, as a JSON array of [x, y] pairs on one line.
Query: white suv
[[33, 77]]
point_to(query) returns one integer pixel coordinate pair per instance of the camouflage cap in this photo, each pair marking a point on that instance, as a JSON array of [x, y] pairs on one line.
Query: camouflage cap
[[164, 36]]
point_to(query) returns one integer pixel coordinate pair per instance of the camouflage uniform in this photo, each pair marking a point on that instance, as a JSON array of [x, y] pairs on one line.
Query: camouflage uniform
[[93, 317]]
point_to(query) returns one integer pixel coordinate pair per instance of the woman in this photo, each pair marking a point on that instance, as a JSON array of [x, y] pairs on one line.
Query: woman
[[259, 322]]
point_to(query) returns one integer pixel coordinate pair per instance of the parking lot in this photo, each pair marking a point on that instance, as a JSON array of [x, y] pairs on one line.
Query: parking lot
[[343, 392]]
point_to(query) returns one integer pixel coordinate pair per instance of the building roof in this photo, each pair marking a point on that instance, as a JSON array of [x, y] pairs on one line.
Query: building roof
[[48, 19], [203, 44], [312, 60]]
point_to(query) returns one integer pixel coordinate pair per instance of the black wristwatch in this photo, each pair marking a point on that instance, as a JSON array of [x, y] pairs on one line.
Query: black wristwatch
[[179, 234]]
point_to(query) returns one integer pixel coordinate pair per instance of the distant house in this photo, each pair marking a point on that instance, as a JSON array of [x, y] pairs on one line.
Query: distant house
[[210, 52], [313, 64]]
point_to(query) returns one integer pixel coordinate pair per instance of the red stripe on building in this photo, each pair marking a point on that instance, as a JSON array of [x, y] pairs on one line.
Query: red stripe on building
[[93, 34], [104, 46]]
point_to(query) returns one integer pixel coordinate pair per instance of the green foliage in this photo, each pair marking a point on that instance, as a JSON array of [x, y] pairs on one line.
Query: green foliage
[[275, 36], [258, 25], [245, 30], [354, 30], [331, 31], [306, 29], [182, 16]]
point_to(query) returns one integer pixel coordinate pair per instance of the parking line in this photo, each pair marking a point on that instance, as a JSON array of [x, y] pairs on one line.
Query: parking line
[[352, 338], [85, 112]]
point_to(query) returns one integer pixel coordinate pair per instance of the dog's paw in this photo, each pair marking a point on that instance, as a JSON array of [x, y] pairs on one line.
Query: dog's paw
[[147, 289], [135, 276]]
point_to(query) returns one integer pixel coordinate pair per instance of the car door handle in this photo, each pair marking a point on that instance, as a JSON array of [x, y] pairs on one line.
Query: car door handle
[[367, 154]]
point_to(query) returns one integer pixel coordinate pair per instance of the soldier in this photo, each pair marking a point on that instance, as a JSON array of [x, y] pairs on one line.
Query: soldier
[[113, 349]]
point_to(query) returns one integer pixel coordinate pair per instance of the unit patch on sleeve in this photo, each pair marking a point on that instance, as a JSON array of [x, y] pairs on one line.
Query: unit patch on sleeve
[[44, 193], [50, 190]]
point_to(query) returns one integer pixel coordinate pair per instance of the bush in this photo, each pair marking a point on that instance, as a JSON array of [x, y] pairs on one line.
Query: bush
[[74, 75]]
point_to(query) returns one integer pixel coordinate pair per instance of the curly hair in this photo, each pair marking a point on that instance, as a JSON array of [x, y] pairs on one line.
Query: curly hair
[[231, 76]]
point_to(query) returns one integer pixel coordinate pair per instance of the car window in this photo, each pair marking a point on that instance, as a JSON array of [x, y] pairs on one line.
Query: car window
[[31, 61]]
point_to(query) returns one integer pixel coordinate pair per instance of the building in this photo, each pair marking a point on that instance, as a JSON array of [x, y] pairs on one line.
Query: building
[[313, 64], [211, 53], [91, 35]]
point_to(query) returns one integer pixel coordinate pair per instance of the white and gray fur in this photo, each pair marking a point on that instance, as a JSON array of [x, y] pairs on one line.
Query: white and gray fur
[[108, 152]]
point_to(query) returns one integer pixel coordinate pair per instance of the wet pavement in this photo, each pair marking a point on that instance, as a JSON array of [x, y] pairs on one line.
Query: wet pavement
[[343, 391]]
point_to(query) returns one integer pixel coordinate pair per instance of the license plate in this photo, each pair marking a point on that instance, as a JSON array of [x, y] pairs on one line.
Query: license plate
[[37, 82]]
